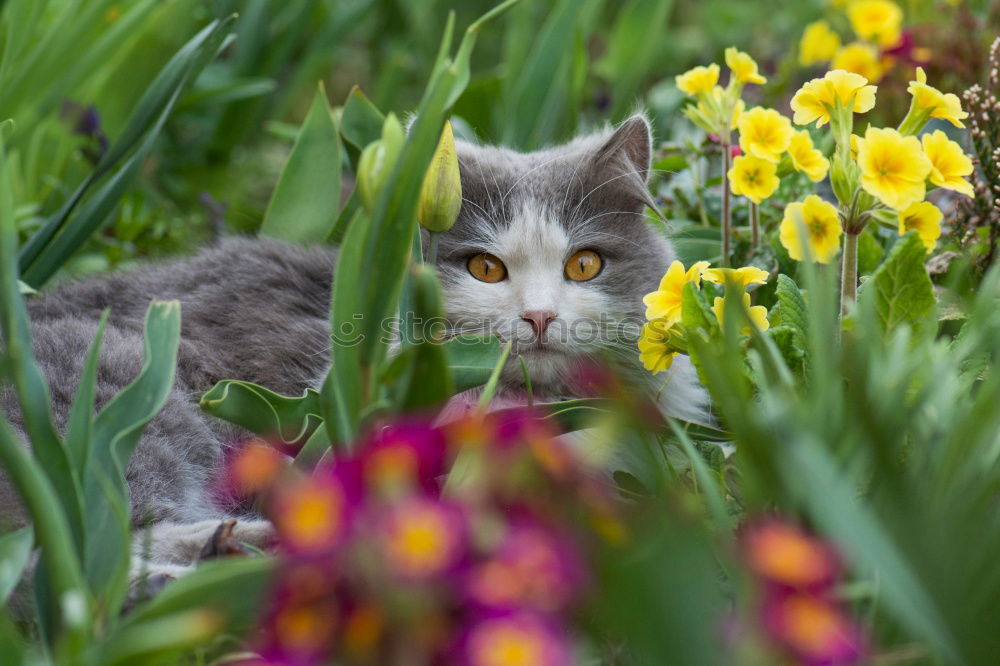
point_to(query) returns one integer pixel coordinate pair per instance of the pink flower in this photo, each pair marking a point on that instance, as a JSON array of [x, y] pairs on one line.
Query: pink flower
[[517, 639], [312, 513], [534, 567], [783, 554], [812, 628], [421, 537], [402, 457]]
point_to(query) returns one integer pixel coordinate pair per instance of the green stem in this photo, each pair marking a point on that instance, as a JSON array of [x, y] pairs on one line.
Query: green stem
[[755, 223], [727, 157], [849, 273]]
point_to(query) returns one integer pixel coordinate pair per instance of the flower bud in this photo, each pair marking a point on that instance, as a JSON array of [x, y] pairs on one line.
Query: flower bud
[[377, 160], [441, 196]]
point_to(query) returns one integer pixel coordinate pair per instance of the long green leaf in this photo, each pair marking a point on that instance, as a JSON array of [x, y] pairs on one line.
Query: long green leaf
[[15, 551], [116, 432], [305, 202], [38, 258], [471, 359]]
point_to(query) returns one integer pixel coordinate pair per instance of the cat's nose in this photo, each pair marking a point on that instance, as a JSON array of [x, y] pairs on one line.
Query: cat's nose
[[539, 320]]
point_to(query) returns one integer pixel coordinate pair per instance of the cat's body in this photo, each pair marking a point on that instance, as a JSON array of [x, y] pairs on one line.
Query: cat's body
[[258, 310]]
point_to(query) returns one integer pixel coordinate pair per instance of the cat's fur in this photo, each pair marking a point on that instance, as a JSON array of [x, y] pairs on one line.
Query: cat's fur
[[257, 310]]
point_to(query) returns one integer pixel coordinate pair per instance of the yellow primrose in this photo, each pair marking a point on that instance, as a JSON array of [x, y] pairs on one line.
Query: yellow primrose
[[698, 80], [757, 313], [819, 44], [743, 67], [946, 106], [765, 133], [665, 302], [753, 177], [822, 227], [806, 158], [879, 21], [893, 167], [925, 217], [859, 58], [741, 277], [949, 163], [654, 348], [816, 98]]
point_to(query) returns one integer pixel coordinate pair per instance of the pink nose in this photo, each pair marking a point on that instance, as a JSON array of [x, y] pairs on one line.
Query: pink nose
[[539, 320]]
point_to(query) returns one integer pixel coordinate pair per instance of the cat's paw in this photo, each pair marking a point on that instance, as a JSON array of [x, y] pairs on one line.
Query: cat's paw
[[148, 580], [235, 538]]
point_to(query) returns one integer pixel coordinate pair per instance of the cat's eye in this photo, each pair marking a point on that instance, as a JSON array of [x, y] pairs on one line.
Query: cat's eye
[[487, 268], [583, 265]]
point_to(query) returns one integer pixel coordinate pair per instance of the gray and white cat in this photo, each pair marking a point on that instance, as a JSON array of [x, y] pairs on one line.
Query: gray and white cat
[[551, 249]]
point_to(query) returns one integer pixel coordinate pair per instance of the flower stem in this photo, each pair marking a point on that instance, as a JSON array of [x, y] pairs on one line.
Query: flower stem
[[849, 273], [727, 156], [755, 223]]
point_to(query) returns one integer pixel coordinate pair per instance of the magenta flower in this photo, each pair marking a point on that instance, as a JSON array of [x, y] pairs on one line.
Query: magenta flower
[[403, 456], [782, 554], [517, 639], [534, 567], [312, 513], [812, 628], [421, 537]]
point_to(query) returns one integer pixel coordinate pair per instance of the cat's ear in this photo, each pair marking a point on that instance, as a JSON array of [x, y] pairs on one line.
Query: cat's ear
[[629, 147]]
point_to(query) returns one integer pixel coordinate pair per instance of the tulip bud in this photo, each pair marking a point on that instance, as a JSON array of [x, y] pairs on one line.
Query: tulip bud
[[441, 195], [377, 160]]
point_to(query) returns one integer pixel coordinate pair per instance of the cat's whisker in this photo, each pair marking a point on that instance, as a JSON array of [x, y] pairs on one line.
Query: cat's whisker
[[528, 173], [627, 174]]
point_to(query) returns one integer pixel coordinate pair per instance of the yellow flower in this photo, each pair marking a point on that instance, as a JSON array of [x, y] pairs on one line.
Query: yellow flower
[[819, 44], [949, 163], [743, 67], [822, 227], [859, 58], [654, 350], [817, 98], [893, 167], [698, 80], [757, 313], [665, 302], [753, 177], [925, 217], [945, 106], [765, 133], [879, 21], [741, 277], [806, 158]]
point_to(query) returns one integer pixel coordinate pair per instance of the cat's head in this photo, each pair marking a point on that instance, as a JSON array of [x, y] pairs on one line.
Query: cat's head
[[552, 250]]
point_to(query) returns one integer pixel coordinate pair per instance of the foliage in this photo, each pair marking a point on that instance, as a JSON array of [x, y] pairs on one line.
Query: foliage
[[841, 509]]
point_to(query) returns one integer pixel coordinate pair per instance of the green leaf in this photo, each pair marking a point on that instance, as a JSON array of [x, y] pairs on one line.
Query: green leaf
[[899, 292], [632, 50], [428, 380], [304, 206], [61, 235], [471, 359], [536, 98], [263, 412], [859, 534], [26, 289], [360, 124], [116, 432], [870, 252], [15, 551]]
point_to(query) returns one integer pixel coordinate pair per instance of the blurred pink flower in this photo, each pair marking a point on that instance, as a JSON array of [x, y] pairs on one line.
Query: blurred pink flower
[[812, 628], [517, 639], [782, 554], [421, 537]]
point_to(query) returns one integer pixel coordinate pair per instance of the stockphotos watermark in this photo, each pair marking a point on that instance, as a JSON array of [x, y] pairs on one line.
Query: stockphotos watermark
[[603, 331]]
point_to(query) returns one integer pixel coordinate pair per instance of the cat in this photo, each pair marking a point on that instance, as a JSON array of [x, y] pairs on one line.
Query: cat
[[563, 231]]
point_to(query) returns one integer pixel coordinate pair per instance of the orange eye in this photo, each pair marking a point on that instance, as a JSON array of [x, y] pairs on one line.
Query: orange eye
[[583, 265], [487, 268]]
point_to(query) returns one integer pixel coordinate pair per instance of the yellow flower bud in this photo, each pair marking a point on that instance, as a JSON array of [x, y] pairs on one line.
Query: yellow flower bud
[[377, 160], [441, 195]]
